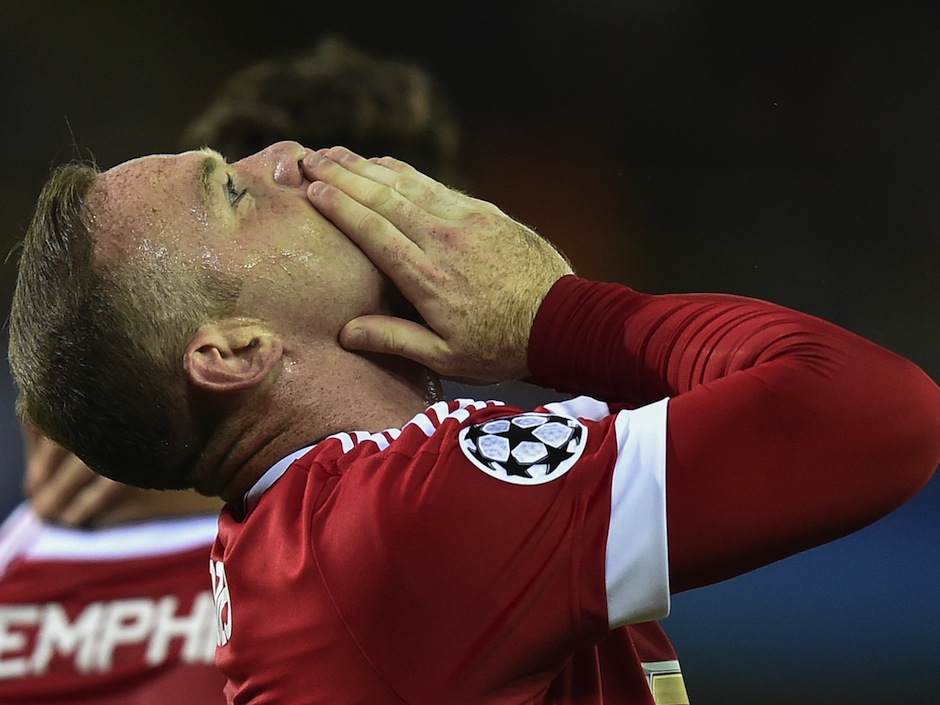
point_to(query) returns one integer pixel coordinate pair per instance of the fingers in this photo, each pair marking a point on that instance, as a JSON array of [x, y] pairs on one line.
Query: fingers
[[94, 499], [474, 274], [384, 170], [395, 336], [62, 488], [396, 255], [56, 479], [42, 458], [386, 185]]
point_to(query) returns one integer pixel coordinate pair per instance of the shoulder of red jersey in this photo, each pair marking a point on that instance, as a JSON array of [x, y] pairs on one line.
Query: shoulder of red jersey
[[402, 529], [538, 445], [423, 425], [24, 535]]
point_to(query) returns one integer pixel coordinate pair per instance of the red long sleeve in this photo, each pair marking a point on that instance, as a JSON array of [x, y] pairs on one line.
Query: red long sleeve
[[784, 431]]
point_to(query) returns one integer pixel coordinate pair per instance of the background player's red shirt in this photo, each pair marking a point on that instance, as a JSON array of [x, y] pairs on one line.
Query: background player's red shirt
[[116, 616]]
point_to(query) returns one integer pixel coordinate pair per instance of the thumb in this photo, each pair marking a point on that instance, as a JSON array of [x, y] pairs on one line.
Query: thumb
[[395, 336]]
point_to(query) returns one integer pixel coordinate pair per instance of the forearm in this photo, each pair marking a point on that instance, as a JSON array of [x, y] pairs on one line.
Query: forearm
[[784, 431], [618, 344]]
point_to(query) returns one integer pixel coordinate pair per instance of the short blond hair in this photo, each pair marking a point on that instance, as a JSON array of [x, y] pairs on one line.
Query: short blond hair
[[96, 351]]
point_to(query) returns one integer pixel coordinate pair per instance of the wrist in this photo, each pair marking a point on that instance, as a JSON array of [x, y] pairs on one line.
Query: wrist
[[573, 331]]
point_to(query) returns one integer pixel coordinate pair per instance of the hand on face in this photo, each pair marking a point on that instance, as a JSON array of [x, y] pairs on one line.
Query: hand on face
[[62, 488], [475, 275]]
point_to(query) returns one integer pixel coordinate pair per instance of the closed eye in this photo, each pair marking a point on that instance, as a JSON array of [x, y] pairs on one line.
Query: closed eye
[[234, 195]]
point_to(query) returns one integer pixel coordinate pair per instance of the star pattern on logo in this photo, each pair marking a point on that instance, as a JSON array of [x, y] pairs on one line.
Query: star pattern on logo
[[530, 448]]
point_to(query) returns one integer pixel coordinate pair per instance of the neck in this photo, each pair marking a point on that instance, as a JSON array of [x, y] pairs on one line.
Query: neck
[[137, 505], [332, 392]]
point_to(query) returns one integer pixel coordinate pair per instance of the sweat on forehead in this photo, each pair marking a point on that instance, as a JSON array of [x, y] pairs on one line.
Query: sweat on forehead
[[147, 205]]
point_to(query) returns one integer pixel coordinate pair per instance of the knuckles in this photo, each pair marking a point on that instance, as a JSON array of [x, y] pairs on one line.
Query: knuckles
[[370, 225], [409, 187]]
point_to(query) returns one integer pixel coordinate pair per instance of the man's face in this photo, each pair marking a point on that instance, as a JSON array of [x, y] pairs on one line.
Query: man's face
[[250, 219]]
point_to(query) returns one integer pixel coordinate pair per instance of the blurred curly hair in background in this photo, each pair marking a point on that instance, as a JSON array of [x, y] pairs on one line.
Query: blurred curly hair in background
[[334, 94]]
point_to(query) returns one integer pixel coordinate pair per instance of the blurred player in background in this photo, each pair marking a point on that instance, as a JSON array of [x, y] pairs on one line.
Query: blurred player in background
[[118, 612], [334, 94]]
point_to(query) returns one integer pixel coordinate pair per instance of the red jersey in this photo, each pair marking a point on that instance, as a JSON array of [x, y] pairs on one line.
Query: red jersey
[[460, 559], [485, 555], [115, 616]]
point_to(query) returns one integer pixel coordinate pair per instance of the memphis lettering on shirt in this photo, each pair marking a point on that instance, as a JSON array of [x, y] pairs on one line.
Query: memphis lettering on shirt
[[105, 607], [32, 634]]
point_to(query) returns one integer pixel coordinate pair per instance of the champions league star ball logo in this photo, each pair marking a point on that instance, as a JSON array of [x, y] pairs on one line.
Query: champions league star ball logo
[[528, 449]]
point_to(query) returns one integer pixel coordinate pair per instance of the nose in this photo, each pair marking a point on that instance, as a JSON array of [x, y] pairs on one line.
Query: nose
[[281, 160]]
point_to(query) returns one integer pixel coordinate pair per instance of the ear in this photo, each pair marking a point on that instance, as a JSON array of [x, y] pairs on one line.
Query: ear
[[231, 355]]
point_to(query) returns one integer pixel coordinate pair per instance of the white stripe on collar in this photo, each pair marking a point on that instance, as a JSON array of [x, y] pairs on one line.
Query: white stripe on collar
[[428, 421], [271, 476]]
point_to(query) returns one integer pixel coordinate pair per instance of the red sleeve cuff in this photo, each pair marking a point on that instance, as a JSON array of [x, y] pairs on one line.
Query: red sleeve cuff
[[570, 346]]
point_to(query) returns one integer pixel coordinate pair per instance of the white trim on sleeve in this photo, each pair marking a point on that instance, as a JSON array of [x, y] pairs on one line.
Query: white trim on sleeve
[[637, 553], [18, 533], [153, 537], [580, 408]]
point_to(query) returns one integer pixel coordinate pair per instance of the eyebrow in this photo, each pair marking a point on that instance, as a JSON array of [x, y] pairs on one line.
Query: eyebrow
[[210, 163]]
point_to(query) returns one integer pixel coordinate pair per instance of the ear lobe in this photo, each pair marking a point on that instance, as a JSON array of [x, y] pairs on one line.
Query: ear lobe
[[231, 356]]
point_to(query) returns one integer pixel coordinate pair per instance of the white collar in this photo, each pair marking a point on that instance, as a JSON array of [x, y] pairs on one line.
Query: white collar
[[270, 477]]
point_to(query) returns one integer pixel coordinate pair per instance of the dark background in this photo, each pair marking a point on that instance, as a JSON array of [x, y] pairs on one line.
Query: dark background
[[788, 151]]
